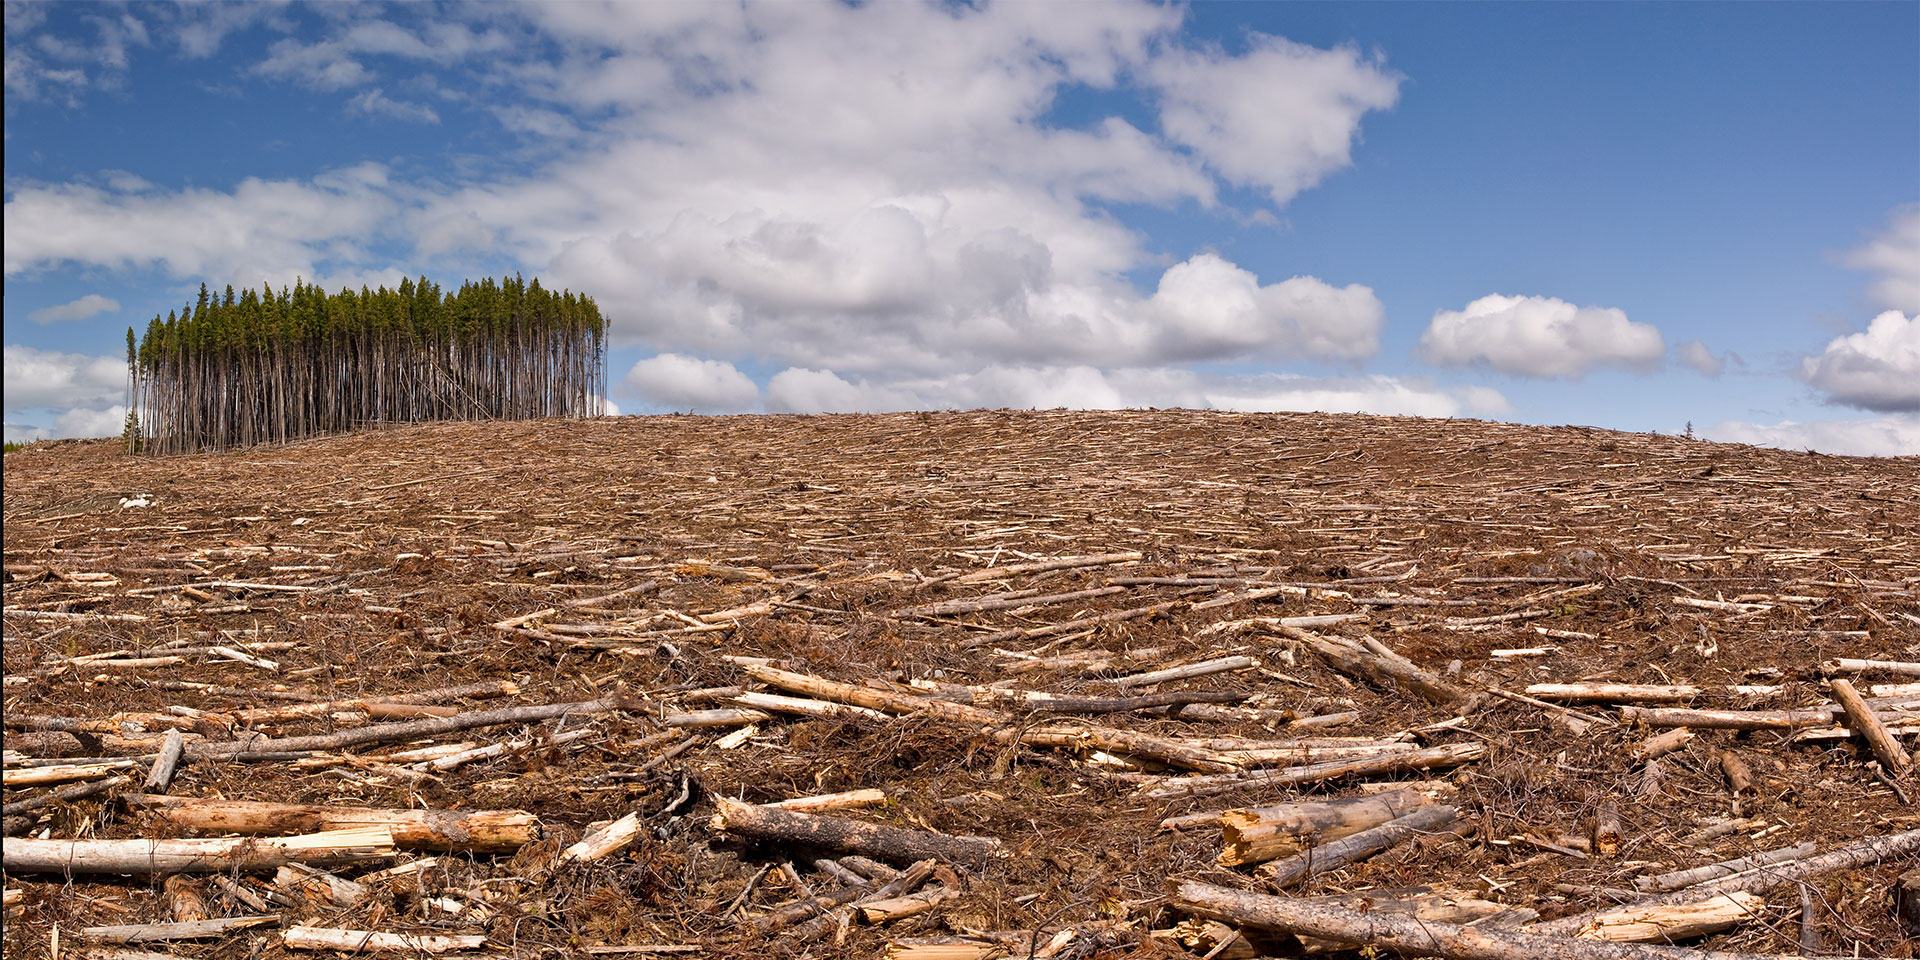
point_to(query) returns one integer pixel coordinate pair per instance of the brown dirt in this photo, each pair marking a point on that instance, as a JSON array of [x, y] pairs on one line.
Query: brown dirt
[[413, 541]]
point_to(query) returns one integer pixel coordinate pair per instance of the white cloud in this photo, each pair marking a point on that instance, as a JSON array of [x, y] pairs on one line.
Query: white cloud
[[868, 198], [1540, 337], [1890, 436], [260, 228], [1208, 309], [90, 305], [1894, 256], [82, 422], [53, 380], [1702, 360], [1878, 369], [673, 381], [1280, 117], [374, 103]]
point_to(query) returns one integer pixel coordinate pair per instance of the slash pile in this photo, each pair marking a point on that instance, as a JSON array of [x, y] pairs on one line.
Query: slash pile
[[963, 685]]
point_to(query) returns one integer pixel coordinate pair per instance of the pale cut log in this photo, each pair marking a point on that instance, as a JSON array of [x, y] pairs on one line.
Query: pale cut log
[[1850, 857], [139, 857], [850, 800], [869, 697], [1429, 758], [1409, 935], [406, 730], [1294, 756], [163, 769], [909, 905], [805, 707], [1677, 879], [1259, 834], [610, 839], [1164, 749], [1019, 598], [63, 795], [1672, 921], [1894, 689], [1755, 719], [1369, 664], [1662, 744], [1202, 669], [1861, 719], [1613, 692], [202, 929], [720, 717], [475, 831], [1850, 665], [1327, 857], [354, 941], [840, 834], [504, 748], [1421, 903], [61, 773], [1044, 566]]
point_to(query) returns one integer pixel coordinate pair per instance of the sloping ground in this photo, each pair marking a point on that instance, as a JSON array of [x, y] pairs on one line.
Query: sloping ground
[[650, 560]]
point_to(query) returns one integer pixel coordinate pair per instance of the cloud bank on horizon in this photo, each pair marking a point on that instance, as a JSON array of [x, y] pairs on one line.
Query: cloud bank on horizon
[[809, 207]]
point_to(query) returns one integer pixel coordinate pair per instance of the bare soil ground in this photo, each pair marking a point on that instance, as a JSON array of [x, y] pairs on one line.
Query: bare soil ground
[[383, 564]]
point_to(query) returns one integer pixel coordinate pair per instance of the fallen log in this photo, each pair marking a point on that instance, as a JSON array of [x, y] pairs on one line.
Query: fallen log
[[612, 838], [880, 841], [1850, 857], [1374, 662], [1446, 755], [1166, 750], [1259, 834], [474, 831], [1860, 717], [1679, 879], [1411, 936], [354, 941], [1328, 857], [407, 730], [1670, 922], [203, 929], [140, 857]]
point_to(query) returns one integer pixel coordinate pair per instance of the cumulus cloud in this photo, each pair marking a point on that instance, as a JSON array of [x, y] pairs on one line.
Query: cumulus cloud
[[90, 305], [1878, 369], [738, 185], [1894, 257], [260, 228], [1540, 337], [1896, 435], [50, 379], [673, 381], [1280, 117], [81, 422]]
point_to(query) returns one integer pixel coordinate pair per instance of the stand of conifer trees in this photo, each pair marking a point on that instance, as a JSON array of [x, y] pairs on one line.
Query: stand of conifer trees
[[270, 367]]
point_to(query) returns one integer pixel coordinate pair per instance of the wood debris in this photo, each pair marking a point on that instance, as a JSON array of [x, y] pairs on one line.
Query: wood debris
[[963, 685]]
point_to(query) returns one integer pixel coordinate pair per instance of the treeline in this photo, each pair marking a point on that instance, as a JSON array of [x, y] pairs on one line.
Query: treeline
[[269, 367]]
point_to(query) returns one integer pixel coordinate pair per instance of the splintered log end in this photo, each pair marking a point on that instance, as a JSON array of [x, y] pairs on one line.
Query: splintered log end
[[1672, 922]]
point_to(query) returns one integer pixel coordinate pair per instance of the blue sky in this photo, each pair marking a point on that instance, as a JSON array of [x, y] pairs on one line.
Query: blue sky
[[1627, 215]]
